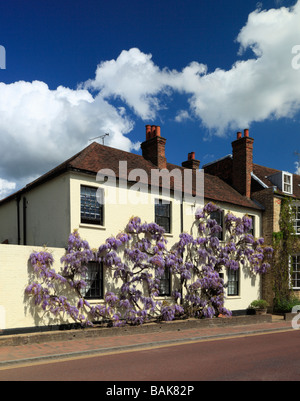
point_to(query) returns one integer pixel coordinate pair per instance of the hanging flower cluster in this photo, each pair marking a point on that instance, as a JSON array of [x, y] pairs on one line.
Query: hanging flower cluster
[[137, 259]]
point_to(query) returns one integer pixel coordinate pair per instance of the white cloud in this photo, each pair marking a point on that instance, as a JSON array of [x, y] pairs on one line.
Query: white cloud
[[6, 187], [262, 87], [41, 127]]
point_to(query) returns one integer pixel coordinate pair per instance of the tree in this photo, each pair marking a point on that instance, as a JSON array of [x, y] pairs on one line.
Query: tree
[[137, 259]]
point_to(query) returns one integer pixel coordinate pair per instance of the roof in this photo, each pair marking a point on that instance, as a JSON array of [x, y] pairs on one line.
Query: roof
[[96, 157], [264, 172]]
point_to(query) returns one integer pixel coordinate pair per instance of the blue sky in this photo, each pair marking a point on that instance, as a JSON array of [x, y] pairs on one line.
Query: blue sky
[[202, 70]]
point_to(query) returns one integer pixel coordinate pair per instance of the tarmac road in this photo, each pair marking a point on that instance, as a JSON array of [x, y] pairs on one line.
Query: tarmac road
[[248, 357]]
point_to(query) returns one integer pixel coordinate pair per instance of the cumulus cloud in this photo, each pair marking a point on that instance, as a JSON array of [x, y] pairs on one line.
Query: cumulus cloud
[[262, 87], [6, 187], [41, 127]]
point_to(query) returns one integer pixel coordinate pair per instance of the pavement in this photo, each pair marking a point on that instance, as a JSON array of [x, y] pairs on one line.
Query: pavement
[[16, 350]]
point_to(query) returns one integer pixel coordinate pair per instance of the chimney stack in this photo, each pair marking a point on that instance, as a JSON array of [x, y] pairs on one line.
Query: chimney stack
[[191, 162], [242, 163], [153, 149]]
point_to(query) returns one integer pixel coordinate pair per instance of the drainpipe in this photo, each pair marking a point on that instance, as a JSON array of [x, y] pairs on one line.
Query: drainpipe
[[24, 221], [18, 219]]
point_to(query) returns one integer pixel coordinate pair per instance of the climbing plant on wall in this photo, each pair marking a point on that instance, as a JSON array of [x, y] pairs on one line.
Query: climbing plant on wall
[[285, 243], [137, 259]]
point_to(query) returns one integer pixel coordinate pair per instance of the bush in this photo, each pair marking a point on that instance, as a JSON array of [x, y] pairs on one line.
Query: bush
[[259, 304], [286, 305]]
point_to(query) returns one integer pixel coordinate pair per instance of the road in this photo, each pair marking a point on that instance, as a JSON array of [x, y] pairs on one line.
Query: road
[[264, 357]]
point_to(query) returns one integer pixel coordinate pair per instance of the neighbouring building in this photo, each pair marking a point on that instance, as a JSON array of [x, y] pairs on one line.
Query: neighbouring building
[[268, 187]]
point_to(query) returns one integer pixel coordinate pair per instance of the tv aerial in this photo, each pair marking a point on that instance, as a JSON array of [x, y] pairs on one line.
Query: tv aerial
[[100, 136]]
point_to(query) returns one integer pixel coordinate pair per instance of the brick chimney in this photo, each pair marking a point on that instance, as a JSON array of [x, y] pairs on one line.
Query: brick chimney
[[153, 149], [242, 163], [191, 162]]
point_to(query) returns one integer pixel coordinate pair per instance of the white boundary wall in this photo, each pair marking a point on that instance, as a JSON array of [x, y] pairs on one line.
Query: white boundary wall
[[16, 309]]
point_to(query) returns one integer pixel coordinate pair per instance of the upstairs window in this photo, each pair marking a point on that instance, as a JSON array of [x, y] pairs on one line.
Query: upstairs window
[[90, 210], [163, 214], [252, 228], [296, 219], [219, 217], [287, 183]]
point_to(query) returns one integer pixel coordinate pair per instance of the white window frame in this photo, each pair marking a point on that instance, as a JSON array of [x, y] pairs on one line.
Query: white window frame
[[296, 220], [285, 174], [297, 255]]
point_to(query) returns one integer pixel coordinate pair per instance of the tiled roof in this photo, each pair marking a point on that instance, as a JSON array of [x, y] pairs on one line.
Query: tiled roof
[[264, 172], [96, 157]]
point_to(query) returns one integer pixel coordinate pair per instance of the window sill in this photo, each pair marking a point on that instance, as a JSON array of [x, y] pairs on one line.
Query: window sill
[[95, 301], [233, 297], [95, 226]]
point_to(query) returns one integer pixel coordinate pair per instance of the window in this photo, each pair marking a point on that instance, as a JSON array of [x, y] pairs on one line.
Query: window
[[296, 219], [252, 228], [233, 282], [295, 272], [91, 211], [165, 283], [163, 214], [94, 281], [287, 183], [218, 216]]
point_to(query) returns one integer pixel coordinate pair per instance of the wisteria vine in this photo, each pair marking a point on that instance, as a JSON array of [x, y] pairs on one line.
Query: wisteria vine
[[137, 259]]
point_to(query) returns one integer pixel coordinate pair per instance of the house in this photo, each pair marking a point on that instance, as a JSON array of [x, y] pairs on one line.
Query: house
[[97, 191], [268, 187]]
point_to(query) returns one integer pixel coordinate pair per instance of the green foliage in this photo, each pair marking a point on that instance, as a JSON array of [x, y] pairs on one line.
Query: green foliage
[[286, 305], [259, 304], [283, 245]]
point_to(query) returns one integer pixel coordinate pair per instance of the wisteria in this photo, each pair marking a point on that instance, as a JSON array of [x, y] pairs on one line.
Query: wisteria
[[136, 260]]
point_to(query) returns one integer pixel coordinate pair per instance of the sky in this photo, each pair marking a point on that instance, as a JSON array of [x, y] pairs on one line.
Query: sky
[[73, 70]]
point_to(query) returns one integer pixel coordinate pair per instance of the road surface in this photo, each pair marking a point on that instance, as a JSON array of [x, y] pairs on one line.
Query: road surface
[[266, 357]]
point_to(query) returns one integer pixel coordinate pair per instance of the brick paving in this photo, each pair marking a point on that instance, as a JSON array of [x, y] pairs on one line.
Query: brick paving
[[76, 347]]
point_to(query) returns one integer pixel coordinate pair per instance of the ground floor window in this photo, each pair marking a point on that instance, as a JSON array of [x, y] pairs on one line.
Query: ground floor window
[[165, 283], [94, 281], [233, 282], [295, 272]]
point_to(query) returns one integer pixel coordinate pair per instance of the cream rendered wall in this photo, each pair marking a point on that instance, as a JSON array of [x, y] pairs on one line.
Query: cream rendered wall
[[55, 225], [249, 284], [9, 222], [119, 207], [117, 216], [16, 310], [47, 213]]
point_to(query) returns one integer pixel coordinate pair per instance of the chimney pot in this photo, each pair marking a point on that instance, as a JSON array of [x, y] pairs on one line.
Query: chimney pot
[[239, 135], [246, 133], [153, 149], [153, 129], [191, 156], [148, 132]]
